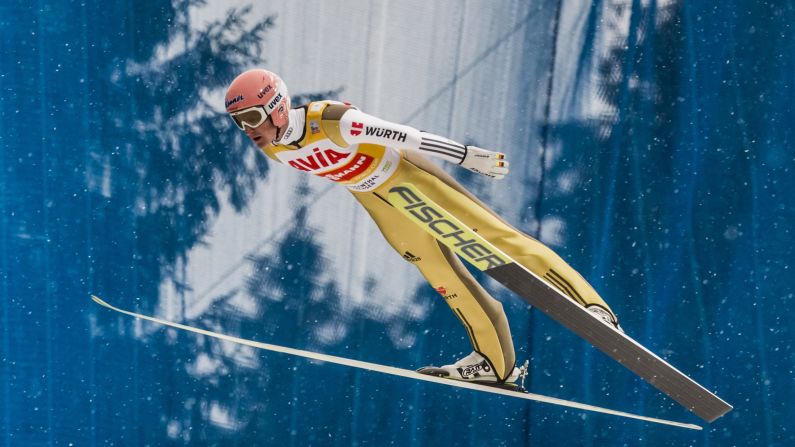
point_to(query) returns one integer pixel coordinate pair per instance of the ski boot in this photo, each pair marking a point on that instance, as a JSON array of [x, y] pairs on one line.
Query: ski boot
[[606, 316], [475, 368]]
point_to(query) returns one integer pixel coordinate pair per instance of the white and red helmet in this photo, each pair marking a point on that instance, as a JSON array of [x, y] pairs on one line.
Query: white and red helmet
[[258, 90]]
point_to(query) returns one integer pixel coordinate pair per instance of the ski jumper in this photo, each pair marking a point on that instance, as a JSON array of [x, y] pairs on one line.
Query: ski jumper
[[369, 155]]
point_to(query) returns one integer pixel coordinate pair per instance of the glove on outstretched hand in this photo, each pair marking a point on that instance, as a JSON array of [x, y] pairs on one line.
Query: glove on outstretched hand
[[485, 162]]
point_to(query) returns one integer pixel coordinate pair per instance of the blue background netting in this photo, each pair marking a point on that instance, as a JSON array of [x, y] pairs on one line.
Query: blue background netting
[[651, 145]]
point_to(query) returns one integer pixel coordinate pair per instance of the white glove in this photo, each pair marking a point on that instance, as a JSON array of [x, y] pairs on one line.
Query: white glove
[[485, 162]]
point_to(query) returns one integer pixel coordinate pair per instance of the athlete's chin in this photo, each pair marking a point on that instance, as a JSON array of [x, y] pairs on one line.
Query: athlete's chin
[[260, 142]]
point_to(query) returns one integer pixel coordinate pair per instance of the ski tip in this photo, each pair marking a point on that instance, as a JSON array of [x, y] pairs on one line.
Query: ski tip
[[99, 300]]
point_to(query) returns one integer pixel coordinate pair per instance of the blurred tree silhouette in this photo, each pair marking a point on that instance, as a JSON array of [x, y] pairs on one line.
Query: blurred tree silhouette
[[181, 160], [181, 150], [186, 153]]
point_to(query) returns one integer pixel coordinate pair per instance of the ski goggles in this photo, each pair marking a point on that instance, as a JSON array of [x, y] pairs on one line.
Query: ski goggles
[[256, 115], [252, 117]]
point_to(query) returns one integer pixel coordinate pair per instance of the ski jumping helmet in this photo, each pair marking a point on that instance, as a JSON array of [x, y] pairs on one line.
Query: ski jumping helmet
[[254, 96]]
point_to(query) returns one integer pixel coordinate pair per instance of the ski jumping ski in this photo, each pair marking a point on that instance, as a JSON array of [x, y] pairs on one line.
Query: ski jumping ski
[[473, 248], [517, 393]]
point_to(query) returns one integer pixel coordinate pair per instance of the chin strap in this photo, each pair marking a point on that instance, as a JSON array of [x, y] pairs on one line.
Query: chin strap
[[279, 134]]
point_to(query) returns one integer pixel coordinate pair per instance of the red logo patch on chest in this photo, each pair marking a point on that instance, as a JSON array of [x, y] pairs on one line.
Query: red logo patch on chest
[[358, 165], [318, 159]]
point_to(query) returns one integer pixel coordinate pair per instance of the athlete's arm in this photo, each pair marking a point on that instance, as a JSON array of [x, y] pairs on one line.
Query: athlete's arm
[[358, 127]]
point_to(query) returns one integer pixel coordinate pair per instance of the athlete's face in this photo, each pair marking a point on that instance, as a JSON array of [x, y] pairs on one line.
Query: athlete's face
[[263, 134]]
